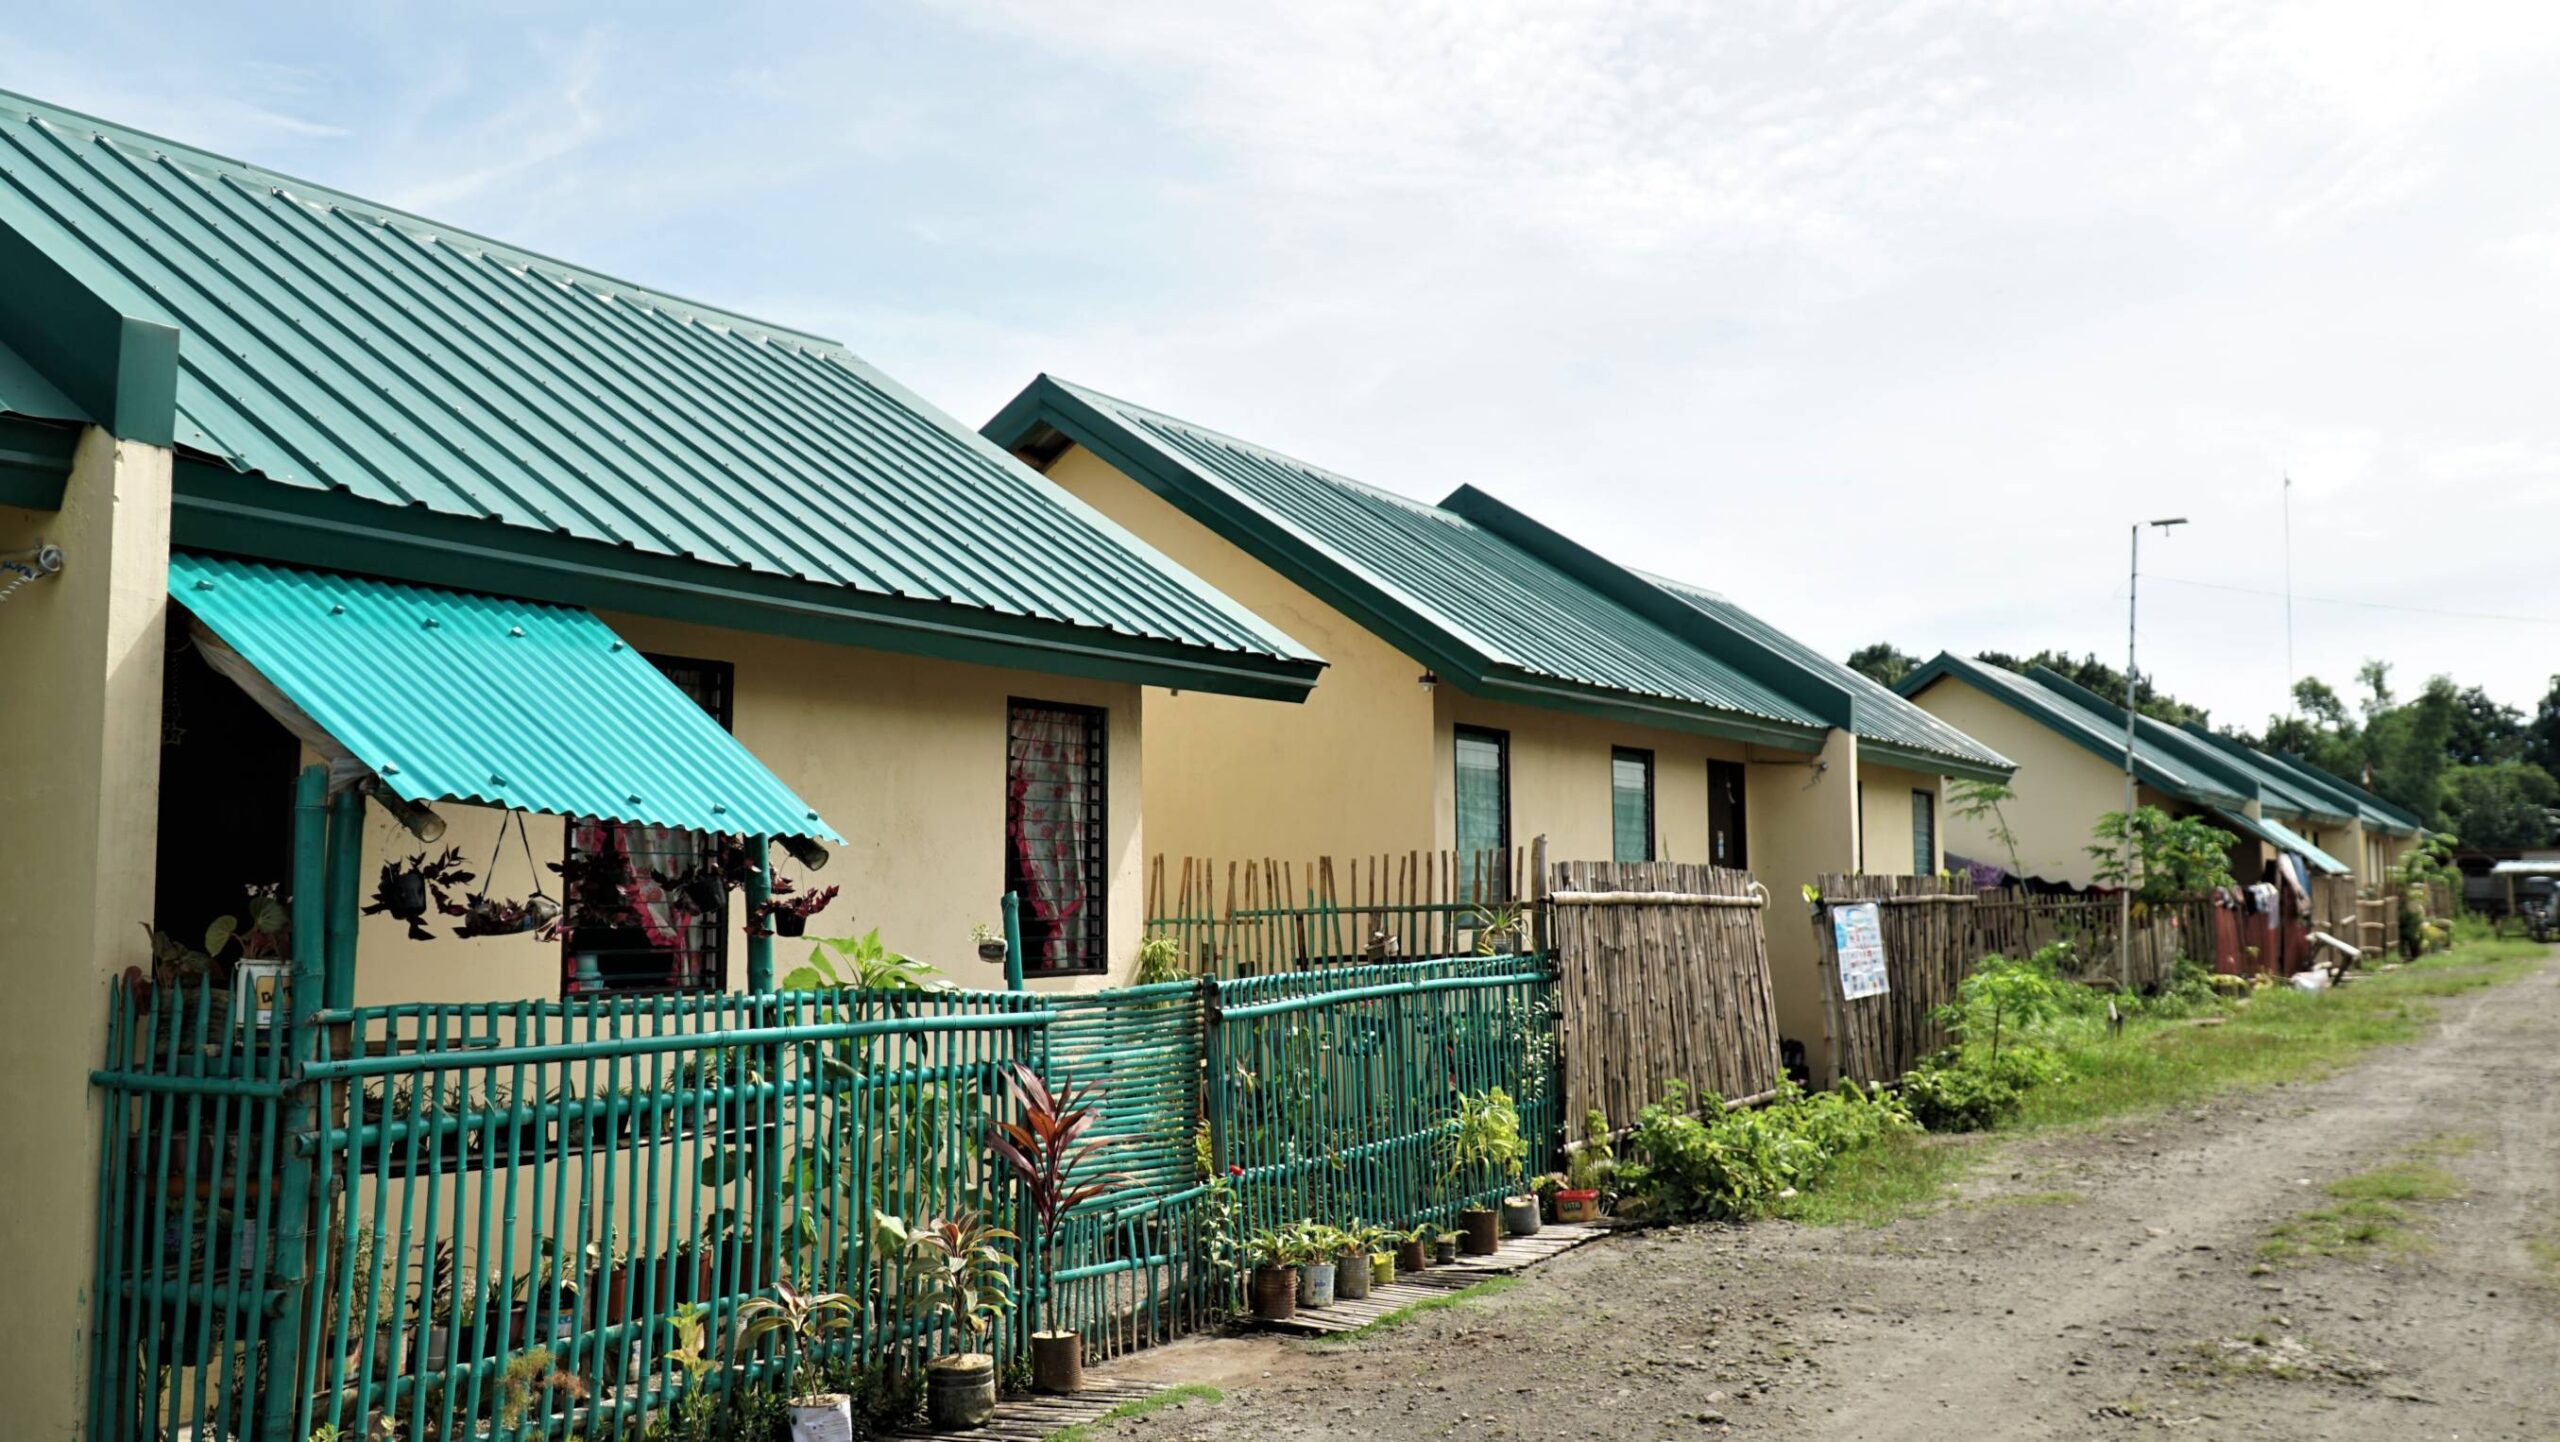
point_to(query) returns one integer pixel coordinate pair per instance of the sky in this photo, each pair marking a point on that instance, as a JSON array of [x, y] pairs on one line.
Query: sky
[[1886, 320]]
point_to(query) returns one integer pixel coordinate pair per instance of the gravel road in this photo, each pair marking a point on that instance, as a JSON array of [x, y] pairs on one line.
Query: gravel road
[[2096, 1285]]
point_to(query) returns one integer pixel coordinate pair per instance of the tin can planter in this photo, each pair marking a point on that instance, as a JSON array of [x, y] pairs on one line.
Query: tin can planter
[[1382, 1269], [825, 1417], [1444, 1248], [1351, 1276], [1479, 1231], [1413, 1254], [1275, 1293], [960, 1391], [992, 952], [1520, 1216], [1315, 1285], [1057, 1362], [1577, 1206]]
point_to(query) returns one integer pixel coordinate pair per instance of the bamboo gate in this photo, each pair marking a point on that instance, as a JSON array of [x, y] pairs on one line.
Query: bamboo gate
[[1930, 941], [1662, 973]]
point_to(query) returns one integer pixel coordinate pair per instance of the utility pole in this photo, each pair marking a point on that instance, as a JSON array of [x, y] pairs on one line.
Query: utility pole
[[2289, 672], [2132, 693]]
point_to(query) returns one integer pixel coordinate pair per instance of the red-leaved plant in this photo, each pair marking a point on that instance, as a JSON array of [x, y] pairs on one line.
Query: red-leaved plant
[[1044, 1148]]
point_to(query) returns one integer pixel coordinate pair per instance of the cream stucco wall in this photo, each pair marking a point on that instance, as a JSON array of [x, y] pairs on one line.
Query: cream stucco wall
[[1560, 778], [1804, 823], [1890, 839], [903, 755], [2059, 792], [80, 664]]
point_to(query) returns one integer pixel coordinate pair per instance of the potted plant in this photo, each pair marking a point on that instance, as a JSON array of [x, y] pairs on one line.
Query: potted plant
[[955, 1266], [1586, 1171], [804, 1321], [1274, 1255], [1318, 1248], [1444, 1248], [1382, 1257], [1413, 1248], [991, 947], [788, 911], [533, 1376], [405, 889], [1485, 1132], [1043, 1150], [1351, 1261]]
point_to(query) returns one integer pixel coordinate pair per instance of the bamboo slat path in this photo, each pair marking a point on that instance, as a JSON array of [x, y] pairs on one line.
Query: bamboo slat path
[[1515, 1255], [1930, 939], [1033, 1418], [1662, 974]]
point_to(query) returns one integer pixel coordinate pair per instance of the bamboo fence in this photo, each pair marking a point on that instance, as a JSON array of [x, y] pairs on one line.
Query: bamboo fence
[[1662, 973], [1258, 918], [1930, 940], [2016, 923]]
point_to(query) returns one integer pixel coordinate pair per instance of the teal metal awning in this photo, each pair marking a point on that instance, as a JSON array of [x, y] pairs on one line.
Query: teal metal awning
[[2284, 838], [448, 696]]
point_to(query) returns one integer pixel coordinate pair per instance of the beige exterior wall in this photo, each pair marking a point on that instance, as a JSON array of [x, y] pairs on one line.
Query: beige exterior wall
[[1889, 837], [2059, 792], [80, 658], [1804, 822], [903, 755], [1560, 779]]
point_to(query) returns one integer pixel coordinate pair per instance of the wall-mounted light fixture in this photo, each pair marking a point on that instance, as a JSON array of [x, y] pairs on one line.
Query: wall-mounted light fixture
[[1428, 680]]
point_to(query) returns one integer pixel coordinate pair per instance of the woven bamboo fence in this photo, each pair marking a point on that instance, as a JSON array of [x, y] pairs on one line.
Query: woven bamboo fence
[[2016, 923], [1258, 918], [1930, 941], [1662, 974]]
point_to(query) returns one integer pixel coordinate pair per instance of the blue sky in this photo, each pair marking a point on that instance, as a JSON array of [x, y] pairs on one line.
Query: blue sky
[[1884, 319]]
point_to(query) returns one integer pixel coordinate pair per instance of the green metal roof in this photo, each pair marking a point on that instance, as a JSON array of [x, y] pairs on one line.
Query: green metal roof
[[2375, 813], [1479, 610], [2283, 838], [335, 349], [2164, 769], [2280, 792], [454, 697], [1876, 713]]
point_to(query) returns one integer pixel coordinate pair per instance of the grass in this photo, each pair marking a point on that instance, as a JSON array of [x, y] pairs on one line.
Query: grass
[[2279, 1035], [2371, 1215], [1171, 1396], [1489, 1287]]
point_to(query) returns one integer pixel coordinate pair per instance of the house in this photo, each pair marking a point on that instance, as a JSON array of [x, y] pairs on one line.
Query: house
[[2070, 747], [1490, 680], [556, 569]]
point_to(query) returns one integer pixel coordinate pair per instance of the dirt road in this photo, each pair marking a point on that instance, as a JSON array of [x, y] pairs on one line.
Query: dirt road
[[2104, 1284]]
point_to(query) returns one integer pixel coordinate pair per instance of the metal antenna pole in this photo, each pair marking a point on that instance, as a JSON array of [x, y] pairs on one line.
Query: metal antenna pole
[[2124, 892], [2289, 673]]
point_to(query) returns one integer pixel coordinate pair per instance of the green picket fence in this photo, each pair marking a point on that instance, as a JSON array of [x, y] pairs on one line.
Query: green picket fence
[[484, 1180]]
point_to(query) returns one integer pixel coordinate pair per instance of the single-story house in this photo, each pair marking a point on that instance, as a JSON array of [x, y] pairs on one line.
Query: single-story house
[[1491, 680], [424, 502]]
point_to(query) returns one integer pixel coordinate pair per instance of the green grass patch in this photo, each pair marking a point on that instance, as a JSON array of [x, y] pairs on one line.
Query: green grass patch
[[1890, 1179], [1489, 1287], [2545, 1251], [1171, 1396], [2372, 1215]]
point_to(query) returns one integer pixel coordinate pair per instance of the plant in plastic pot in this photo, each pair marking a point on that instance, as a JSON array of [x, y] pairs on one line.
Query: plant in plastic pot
[[1274, 1256], [1484, 1135], [1587, 1171], [955, 1267], [1055, 1168], [803, 1322], [991, 947]]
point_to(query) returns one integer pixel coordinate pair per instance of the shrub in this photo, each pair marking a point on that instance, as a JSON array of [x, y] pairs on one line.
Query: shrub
[[1959, 1091], [1699, 1160]]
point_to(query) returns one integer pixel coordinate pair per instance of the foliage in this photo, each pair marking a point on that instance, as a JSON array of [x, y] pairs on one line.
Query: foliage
[[410, 889], [1499, 928], [2172, 856], [1965, 1091], [1094, 1430], [1484, 1131], [861, 963], [1975, 800], [1882, 663], [1159, 961], [1288, 1246], [2000, 996], [801, 1319], [1044, 1151], [788, 900], [950, 1266], [1593, 1165], [886, 1400], [263, 932], [2503, 804], [529, 1374], [1695, 1159]]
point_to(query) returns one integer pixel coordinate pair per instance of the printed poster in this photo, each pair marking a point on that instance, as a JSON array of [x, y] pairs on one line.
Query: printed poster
[[1857, 933]]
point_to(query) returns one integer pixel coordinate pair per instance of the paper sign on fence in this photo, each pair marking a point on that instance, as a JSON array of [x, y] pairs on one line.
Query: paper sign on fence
[[1857, 933]]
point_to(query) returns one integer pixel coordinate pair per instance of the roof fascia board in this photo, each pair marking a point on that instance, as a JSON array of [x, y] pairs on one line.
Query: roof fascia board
[[2368, 807], [35, 462], [2258, 762], [1512, 684], [1710, 633], [217, 509], [1935, 763], [1947, 667], [119, 368]]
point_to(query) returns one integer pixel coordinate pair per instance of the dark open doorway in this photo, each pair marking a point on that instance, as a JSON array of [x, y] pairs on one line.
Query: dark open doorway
[[226, 796]]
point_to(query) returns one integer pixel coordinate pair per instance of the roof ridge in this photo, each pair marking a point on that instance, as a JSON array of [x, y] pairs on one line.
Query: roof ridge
[[16, 104]]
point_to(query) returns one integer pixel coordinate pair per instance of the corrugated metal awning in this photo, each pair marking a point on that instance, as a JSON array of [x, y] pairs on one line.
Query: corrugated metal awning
[[448, 696], [2284, 838]]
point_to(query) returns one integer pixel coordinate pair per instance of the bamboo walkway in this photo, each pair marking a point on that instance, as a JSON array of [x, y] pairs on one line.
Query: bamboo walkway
[[1028, 1419], [1515, 1255]]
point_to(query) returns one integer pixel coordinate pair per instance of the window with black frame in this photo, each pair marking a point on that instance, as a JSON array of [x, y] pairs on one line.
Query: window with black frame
[[1484, 813], [638, 934], [1630, 804], [1055, 834]]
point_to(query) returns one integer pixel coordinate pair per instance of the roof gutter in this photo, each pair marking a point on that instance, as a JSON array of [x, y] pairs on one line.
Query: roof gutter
[[1913, 758]]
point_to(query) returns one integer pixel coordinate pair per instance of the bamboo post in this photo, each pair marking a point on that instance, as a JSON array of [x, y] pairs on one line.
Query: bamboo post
[[303, 999]]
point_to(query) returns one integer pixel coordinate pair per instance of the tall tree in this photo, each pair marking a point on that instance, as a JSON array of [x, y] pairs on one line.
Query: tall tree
[[2484, 732], [2106, 680], [2542, 733], [1882, 663], [2510, 803]]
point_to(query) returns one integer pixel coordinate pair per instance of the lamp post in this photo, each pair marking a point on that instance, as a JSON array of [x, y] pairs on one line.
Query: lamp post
[[2132, 618]]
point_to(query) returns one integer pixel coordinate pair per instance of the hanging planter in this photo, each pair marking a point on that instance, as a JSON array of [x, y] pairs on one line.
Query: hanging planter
[[787, 913], [991, 947], [406, 890]]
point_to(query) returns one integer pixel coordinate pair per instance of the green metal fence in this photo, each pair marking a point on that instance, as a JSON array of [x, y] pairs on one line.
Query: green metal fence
[[441, 1189]]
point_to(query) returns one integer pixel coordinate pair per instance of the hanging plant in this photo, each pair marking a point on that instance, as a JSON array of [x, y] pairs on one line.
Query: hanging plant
[[788, 913], [484, 915], [407, 889], [595, 889], [703, 886]]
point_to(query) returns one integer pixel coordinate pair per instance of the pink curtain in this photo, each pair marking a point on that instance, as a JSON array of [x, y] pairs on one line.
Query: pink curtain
[[1049, 824]]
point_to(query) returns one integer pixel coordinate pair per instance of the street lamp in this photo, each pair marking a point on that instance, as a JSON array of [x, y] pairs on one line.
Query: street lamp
[[2132, 615]]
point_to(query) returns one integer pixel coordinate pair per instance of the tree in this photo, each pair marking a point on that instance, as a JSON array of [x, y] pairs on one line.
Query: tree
[[2542, 733], [2508, 803], [1883, 664], [2172, 857], [2484, 732], [1974, 800], [2406, 746], [2093, 674]]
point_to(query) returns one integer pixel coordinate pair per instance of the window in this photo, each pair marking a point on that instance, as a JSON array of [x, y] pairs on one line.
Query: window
[[1484, 810], [656, 944], [1924, 833], [1630, 804], [1728, 825], [1054, 836]]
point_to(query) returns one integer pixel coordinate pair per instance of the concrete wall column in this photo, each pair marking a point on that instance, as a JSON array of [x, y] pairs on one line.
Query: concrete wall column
[[1804, 821]]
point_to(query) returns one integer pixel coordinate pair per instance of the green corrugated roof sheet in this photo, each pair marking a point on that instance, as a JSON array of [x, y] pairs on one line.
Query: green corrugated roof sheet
[[1876, 713], [2283, 838], [329, 344], [454, 697], [2375, 813], [2164, 769], [2280, 792], [1461, 599]]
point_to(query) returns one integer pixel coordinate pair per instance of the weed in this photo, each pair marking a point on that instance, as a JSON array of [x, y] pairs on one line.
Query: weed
[[1489, 1287], [1873, 1186], [1138, 1407], [2371, 1215]]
